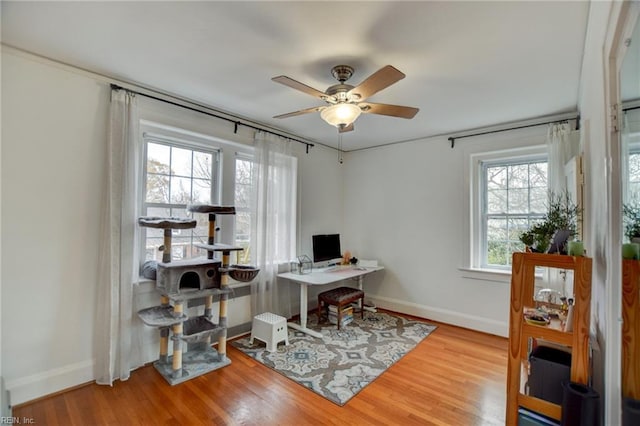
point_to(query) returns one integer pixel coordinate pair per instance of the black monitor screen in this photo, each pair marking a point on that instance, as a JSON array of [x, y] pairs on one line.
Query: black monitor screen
[[326, 247]]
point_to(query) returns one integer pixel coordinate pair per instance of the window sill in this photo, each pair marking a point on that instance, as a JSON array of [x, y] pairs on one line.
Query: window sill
[[495, 275]]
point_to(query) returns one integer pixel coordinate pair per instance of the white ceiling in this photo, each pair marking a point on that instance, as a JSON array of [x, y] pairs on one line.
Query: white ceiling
[[468, 64]]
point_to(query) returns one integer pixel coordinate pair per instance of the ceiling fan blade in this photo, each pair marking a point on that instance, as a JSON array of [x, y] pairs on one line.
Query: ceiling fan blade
[[386, 109], [282, 79], [300, 112], [377, 81], [348, 128]]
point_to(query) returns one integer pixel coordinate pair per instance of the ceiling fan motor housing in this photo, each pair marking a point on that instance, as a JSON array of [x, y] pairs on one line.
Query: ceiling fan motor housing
[[342, 73], [339, 92]]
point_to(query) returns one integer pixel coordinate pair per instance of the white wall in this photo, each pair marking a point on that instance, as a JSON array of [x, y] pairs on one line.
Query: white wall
[[407, 206], [321, 201], [54, 126], [53, 167]]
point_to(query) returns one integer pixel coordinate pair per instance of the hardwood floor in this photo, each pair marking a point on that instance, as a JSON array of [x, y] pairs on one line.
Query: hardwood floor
[[454, 377]]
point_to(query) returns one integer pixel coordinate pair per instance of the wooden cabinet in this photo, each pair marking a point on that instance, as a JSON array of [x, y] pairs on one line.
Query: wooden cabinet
[[631, 329], [521, 332]]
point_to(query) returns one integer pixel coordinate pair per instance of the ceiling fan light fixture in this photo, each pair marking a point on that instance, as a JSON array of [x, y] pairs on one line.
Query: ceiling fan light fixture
[[340, 114], [344, 99]]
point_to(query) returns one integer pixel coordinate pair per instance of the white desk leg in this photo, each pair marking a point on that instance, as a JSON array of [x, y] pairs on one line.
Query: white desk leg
[[303, 314], [360, 286]]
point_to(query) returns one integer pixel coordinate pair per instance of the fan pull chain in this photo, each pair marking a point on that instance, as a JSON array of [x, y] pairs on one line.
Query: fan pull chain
[[340, 159]]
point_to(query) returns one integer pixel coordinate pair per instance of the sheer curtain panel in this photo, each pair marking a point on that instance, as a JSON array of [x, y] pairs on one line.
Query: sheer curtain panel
[[273, 232], [118, 350], [561, 147]]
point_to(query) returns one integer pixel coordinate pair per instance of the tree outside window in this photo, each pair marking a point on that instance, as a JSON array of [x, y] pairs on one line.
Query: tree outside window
[[176, 176], [515, 195]]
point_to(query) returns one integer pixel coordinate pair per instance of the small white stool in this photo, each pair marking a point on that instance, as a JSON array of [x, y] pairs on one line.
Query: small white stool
[[271, 329]]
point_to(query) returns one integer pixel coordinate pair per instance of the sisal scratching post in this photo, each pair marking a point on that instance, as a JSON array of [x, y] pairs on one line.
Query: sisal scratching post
[[212, 234], [164, 335], [177, 342], [224, 284], [166, 253], [164, 345], [208, 304]]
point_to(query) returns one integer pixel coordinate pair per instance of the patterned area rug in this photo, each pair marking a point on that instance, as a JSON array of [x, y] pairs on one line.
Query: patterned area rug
[[342, 363]]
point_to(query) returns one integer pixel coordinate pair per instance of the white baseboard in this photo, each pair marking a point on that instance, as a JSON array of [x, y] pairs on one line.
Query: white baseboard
[[38, 385], [442, 315]]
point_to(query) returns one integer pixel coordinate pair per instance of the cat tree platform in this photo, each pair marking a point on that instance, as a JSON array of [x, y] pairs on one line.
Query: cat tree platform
[[194, 363]]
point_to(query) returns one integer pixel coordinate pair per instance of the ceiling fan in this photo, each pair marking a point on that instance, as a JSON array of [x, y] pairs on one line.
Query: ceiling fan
[[345, 102]]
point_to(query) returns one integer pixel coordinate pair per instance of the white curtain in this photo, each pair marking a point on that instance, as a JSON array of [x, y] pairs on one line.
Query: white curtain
[[273, 230], [118, 348], [562, 145]]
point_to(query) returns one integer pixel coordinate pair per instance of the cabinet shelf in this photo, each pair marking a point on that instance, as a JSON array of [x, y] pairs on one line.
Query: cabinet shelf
[[564, 338], [521, 332], [540, 406]]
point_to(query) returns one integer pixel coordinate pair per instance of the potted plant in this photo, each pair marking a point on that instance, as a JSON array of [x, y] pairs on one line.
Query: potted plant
[[538, 238], [559, 224], [631, 221]]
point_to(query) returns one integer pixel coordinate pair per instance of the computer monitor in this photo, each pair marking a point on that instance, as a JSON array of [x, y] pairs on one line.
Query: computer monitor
[[326, 247]]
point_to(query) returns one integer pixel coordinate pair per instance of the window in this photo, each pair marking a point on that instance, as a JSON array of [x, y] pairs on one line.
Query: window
[[176, 173], [243, 192], [633, 189], [513, 196]]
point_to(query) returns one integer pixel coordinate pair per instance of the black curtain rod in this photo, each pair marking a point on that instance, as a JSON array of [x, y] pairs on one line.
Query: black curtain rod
[[630, 108], [235, 122], [577, 118]]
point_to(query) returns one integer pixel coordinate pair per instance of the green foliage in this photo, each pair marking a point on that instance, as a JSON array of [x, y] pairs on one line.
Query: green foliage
[[497, 253], [528, 237], [631, 220], [562, 214]]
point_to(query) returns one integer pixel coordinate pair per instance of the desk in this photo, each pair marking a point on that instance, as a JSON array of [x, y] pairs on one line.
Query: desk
[[322, 277]]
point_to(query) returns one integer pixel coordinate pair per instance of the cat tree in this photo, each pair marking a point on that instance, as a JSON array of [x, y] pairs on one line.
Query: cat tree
[[195, 280]]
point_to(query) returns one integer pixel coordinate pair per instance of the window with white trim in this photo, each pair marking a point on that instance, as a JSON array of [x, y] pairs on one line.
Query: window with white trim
[[177, 173], [513, 197]]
